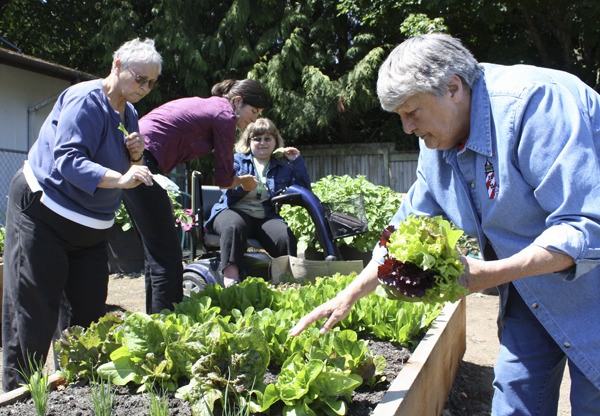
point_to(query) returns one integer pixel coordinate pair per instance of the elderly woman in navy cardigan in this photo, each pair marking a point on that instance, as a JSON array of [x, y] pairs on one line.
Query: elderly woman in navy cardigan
[[241, 214]]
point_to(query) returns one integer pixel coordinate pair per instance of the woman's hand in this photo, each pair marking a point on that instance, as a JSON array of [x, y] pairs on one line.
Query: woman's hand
[[291, 153], [136, 175], [339, 307], [135, 145], [335, 310], [247, 182]]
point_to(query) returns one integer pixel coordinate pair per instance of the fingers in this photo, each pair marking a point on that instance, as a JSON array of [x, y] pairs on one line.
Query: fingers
[[312, 317], [135, 144], [249, 182], [301, 326], [291, 153], [136, 175]]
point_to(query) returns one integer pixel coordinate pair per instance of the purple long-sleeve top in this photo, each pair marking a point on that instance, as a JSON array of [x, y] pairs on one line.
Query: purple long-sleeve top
[[186, 128]]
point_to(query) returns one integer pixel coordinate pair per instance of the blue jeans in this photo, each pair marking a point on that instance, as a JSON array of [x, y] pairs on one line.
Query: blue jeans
[[530, 368]]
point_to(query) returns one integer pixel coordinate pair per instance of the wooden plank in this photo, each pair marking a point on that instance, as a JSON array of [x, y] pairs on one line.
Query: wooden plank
[[422, 386]]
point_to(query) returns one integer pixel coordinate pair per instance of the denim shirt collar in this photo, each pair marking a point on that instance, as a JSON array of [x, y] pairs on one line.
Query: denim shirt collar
[[480, 133]]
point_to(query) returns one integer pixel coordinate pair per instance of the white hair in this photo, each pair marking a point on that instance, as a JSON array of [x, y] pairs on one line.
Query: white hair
[[424, 64], [138, 51]]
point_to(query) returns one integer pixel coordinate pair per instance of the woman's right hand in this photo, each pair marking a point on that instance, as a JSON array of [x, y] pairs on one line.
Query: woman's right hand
[[136, 175], [248, 182]]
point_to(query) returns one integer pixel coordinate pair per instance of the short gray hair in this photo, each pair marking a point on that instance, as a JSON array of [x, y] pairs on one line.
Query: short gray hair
[[424, 64], [138, 51]]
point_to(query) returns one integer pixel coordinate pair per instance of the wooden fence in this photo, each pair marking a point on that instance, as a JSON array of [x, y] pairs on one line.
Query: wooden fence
[[378, 162]]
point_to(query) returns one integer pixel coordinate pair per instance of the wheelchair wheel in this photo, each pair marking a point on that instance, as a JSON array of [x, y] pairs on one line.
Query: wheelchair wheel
[[193, 283]]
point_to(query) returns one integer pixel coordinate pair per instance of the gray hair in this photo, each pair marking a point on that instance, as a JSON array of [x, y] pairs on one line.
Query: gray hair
[[424, 64], [138, 51], [258, 128]]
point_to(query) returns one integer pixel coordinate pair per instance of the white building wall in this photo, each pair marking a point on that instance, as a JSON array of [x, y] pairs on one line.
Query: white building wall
[[20, 91]]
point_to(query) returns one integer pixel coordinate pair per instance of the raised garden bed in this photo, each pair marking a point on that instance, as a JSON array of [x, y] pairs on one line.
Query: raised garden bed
[[422, 386]]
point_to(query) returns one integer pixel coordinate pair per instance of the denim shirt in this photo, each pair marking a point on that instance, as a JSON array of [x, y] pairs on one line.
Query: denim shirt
[[528, 174], [280, 174]]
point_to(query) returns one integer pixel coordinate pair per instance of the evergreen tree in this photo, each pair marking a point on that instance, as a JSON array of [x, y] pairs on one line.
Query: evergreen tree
[[318, 59]]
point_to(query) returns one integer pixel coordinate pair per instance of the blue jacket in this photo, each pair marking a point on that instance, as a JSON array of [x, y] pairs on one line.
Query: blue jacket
[[281, 173], [529, 174]]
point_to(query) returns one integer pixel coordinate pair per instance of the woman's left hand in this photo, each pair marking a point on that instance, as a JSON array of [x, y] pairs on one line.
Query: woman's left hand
[[291, 153], [135, 145]]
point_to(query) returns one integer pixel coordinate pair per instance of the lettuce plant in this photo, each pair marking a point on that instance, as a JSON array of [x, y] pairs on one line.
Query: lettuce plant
[[214, 348], [422, 262], [380, 204]]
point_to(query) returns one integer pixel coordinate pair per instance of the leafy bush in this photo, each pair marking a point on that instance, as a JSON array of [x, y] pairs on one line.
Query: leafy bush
[[380, 202]]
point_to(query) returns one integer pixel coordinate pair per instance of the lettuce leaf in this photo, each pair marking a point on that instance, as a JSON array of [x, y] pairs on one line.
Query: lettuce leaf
[[430, 244]]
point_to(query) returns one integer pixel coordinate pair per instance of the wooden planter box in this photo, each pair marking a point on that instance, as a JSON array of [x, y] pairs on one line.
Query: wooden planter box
[[423, 385]]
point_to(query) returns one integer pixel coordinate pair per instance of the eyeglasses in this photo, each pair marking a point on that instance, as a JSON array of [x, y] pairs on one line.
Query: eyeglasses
[[142, 80], [258, 139]]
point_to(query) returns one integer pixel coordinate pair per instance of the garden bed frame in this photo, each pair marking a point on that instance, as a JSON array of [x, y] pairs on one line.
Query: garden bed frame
[[422, 386]]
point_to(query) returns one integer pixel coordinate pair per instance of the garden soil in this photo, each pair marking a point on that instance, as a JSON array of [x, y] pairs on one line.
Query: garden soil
[[471, 394]]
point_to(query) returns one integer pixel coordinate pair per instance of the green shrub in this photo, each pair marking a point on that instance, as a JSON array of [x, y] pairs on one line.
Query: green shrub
[[380, 202], [2, 233]]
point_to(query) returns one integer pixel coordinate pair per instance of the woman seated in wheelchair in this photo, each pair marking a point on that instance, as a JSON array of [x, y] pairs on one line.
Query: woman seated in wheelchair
[[241, 214]]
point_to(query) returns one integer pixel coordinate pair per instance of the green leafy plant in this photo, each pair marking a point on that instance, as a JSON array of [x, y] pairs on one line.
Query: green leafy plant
[[123, 129], [214, 348], [422, 262], [36, 382], [103, 396], [380, 203]]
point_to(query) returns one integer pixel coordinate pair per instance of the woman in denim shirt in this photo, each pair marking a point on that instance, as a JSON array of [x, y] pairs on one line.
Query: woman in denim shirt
[[242, 214], [510, 155]]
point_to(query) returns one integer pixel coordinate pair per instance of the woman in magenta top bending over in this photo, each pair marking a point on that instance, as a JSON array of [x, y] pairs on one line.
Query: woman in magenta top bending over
[[177, 132]]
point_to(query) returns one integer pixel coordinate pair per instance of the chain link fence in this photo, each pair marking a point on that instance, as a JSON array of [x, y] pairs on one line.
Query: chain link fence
[[10, 162]]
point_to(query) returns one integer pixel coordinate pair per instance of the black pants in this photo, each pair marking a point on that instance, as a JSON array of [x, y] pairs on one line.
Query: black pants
[[236, 227], [151, 211], [48, 259]]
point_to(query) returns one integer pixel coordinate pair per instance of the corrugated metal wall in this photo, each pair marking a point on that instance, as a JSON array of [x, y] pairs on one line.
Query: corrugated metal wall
[[379, 163]]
